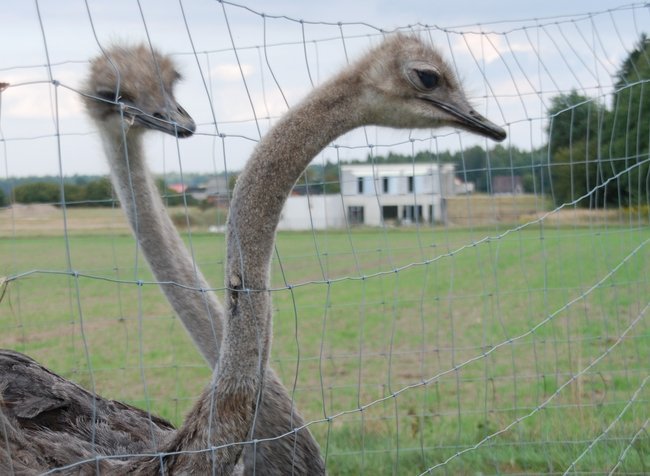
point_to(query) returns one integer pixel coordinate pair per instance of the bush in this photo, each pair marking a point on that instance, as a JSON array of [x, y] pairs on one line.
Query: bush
[[197, 217], [99, 193], [38, 192]]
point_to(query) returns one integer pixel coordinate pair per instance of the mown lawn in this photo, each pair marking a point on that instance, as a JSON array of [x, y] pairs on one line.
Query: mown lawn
[[460, 351]]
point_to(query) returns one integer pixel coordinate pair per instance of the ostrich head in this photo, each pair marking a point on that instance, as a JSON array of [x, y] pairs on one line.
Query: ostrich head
[[408, 84], [134, 86]]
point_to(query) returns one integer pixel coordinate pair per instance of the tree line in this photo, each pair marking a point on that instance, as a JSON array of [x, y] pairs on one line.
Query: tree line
[[87, 191], [82, 189]]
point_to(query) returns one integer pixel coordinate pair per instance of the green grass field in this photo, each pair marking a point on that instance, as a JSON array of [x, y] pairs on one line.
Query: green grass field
[[462, 351]]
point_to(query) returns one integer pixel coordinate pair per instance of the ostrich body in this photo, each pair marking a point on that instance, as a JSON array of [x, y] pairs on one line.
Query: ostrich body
[[402, 83]]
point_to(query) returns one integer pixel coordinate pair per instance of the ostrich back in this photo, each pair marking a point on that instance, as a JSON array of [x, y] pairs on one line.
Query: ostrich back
[[47, 422]]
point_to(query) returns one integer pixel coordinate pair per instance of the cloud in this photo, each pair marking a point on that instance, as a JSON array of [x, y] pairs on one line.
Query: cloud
[[234, 105], [489, 46], [31, 97], [231, 72]]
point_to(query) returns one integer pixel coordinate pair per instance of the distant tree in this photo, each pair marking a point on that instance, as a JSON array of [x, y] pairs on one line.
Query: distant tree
[[635, 67], [331, 181], [319, 179], [37, 192], [629, 128], [99, 192], [472, 166], [574, 132], [573, 117], [513, 162], [49, 192], [232, 180], [74, 194], [3, 198], [310, 181], [81, 180], [598, 153]]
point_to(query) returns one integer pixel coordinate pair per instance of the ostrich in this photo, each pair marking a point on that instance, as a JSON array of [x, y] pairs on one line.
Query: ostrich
[[403, 83]]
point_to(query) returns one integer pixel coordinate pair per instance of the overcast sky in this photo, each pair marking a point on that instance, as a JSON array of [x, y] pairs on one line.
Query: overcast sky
[[511, 55]]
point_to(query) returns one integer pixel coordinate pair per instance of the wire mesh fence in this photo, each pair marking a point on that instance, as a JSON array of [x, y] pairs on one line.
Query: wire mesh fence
[[495, 322]]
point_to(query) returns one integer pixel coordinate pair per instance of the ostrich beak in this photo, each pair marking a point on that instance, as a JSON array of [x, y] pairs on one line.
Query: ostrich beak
[[174, 121], [467, 118]]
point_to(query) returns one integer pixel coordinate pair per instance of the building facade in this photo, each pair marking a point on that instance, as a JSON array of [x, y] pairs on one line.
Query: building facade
[[396, 193], [377, 195], [317, 212]]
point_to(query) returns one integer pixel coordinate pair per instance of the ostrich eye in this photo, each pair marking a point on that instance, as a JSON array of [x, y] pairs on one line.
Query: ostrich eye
[[105, 95], [108, 95], [428, 78]]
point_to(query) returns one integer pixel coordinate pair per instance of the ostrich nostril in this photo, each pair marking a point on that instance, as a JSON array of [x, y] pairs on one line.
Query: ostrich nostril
[[157, 115]]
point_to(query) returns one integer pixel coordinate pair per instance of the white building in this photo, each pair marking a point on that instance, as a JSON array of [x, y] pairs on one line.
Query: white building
[[375, 195], [306, 212], [396, 193]]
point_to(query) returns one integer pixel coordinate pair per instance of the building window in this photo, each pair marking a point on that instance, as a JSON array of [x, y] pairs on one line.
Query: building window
[[360, 185], [355, 215], [384, 184], [412, 213], [410, 183], [389, 212]]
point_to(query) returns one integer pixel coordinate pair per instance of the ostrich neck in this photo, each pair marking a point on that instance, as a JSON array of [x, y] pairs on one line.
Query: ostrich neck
[[161, 244], [275, 165], [258, 199], [259, 196]]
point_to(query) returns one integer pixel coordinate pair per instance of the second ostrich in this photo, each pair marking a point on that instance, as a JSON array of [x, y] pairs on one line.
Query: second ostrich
[[401, 83]]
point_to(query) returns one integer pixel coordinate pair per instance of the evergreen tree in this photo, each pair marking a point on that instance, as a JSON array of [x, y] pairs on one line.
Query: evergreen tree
[[574, 134], [629, 129], [99, 192], [600, 154]]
